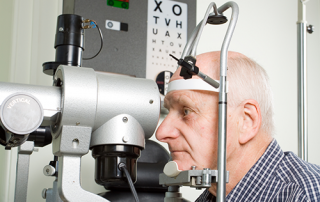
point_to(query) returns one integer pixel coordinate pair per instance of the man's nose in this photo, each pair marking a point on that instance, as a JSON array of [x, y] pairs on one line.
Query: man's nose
[[168, 129]]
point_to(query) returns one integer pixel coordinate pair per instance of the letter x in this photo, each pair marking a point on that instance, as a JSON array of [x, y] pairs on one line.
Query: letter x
[[158, 6]]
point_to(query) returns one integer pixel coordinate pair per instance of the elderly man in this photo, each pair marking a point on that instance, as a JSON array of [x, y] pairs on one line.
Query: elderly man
[[259, 169]]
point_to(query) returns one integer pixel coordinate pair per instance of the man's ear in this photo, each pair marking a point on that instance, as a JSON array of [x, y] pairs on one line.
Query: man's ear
[[250, 116]]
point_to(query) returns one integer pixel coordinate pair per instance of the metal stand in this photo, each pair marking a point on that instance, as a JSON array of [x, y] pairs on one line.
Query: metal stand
[[70, 146], [22, 171], [193, 178], [302, 81]]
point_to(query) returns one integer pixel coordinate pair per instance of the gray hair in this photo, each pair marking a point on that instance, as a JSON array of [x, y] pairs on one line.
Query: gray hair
[[248, 80]]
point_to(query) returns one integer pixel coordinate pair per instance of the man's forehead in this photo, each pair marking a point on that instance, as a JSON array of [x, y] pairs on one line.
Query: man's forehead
[[185, 97], [178, 97]]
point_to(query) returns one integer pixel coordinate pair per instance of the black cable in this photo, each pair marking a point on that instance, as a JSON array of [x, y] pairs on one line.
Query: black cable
[[101, 37], [123, 167]]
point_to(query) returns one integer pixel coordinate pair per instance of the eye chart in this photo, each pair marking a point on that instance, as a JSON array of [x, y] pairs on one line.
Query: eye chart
[[167, 34]]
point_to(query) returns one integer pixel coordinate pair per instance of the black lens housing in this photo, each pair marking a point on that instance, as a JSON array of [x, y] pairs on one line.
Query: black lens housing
[[69, 43], [108, 157]]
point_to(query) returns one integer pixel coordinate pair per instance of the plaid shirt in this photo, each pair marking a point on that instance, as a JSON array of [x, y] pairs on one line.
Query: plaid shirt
[[276, 176]]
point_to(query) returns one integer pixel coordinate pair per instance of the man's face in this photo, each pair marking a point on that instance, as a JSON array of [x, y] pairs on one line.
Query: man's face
[[191, 128]]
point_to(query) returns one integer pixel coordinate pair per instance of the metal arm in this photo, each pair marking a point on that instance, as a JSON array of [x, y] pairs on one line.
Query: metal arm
[[203, 23], [221, 190], [192, 44]]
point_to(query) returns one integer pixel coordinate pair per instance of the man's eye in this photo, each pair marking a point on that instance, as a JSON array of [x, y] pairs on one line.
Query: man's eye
[[186, 111]]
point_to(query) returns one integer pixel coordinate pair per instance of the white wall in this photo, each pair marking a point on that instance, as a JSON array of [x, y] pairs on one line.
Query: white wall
[[266, 32], [5, 52]]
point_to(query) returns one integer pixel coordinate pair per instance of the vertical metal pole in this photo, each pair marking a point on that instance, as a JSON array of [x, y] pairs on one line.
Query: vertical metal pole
[[22, 172], [302, 83], [222, 141]]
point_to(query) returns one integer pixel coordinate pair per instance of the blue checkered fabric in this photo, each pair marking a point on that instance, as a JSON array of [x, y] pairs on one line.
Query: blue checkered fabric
[[276, 176]]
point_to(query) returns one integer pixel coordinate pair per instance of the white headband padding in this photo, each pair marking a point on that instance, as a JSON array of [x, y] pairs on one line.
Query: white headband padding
[[191, 84]]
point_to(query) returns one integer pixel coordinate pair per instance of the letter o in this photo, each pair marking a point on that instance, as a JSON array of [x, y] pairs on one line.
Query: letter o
[[174, 10]]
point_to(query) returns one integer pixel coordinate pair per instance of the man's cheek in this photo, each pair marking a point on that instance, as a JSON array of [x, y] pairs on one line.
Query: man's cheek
[[179, 155]]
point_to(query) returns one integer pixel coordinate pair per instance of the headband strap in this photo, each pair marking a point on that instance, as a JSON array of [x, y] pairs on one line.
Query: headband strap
[[191, 84]]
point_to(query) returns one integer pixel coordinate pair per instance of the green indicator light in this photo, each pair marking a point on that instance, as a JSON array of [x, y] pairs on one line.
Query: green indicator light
[[118, 3]]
